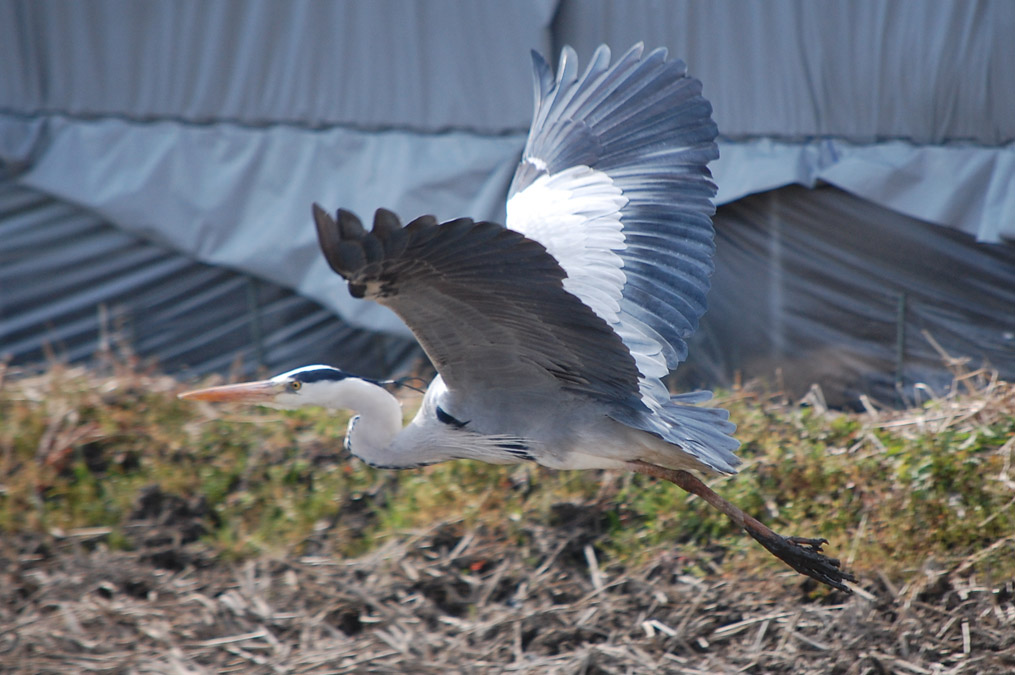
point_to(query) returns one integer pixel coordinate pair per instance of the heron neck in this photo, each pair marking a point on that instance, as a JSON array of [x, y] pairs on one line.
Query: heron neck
[[378, 422]]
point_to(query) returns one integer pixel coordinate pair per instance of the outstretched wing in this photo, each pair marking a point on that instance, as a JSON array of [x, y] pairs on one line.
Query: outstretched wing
[[487, 304], [614, 183]]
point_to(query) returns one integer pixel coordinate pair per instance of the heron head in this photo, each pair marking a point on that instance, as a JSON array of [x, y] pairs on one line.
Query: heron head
[[317, 385]]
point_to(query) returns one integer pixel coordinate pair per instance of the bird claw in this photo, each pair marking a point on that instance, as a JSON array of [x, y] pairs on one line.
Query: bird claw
[[804, 555], [813, 544]]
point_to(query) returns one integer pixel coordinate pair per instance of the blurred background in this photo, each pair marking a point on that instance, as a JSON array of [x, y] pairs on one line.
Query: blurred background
[[158, 162]]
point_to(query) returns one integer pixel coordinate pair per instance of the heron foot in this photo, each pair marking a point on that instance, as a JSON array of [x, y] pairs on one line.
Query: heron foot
[[804, 555]]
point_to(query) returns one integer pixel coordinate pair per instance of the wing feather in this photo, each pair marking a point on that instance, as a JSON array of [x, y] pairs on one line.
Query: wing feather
[[487, 304], [641, 133], [642, 125]]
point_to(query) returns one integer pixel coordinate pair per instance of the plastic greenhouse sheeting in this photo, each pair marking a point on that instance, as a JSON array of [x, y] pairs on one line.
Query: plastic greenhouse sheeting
[[819, 286], [373, 65], [867, 71], [75, 287], [905, 104], [206, 130], [958, 187], [240, 198]]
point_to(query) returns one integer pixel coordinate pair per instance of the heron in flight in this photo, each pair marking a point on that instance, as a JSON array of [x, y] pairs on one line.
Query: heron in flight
[[551, 335]]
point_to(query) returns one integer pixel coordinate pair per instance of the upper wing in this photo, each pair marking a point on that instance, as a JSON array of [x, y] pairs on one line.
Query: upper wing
[[614, 184], [487, 304]]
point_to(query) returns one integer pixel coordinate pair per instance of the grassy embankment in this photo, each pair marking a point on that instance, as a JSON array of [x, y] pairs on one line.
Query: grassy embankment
[[891, 491]]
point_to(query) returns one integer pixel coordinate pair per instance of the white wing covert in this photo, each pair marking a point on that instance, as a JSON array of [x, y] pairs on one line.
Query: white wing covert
[[614, 183]]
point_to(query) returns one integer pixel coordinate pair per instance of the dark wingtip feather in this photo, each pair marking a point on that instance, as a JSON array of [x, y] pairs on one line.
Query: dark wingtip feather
[[320, 215], [350, 226], [328, 236], [342, 241], [326, 228], [422, 222], [348, 257], [386, 222]]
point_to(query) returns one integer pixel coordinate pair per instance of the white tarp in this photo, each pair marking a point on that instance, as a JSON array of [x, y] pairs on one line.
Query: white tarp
[[961, 187], [823, 287], [239, 197], [210, 128], [866, 71]]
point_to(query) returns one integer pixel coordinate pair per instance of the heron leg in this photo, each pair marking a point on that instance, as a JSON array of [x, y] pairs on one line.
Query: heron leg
[[802, 554]]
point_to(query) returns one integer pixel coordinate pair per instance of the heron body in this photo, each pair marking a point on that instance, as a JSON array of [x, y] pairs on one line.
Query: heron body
[[551, 334]]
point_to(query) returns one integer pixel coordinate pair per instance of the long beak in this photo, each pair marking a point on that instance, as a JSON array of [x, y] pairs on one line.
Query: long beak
[[260, 392]]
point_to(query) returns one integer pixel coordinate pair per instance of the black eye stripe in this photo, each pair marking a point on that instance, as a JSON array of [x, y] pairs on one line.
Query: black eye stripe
[[320, 374]]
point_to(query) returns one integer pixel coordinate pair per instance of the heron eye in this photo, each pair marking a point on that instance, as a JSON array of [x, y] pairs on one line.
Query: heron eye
[[295, 385]]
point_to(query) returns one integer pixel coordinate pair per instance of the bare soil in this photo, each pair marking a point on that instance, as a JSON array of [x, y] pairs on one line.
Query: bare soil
[[453, 600]]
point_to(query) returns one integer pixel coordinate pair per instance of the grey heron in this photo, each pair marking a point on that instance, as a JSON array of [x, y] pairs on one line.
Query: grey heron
[[551, 335]]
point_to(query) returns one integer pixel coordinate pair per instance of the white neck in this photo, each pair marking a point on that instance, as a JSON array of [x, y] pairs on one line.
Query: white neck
[[379, 419]]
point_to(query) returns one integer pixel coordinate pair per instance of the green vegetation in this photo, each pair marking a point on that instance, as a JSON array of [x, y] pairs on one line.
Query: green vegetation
[[889, 490]]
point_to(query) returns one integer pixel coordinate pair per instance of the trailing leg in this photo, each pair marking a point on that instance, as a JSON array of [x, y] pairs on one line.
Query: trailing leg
[[802, 554]]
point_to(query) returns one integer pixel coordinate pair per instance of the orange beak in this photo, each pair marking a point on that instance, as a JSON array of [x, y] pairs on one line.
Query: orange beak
[[260, 392]]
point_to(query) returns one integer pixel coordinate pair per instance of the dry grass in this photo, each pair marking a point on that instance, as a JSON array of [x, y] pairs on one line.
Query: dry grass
[[452, 600]]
